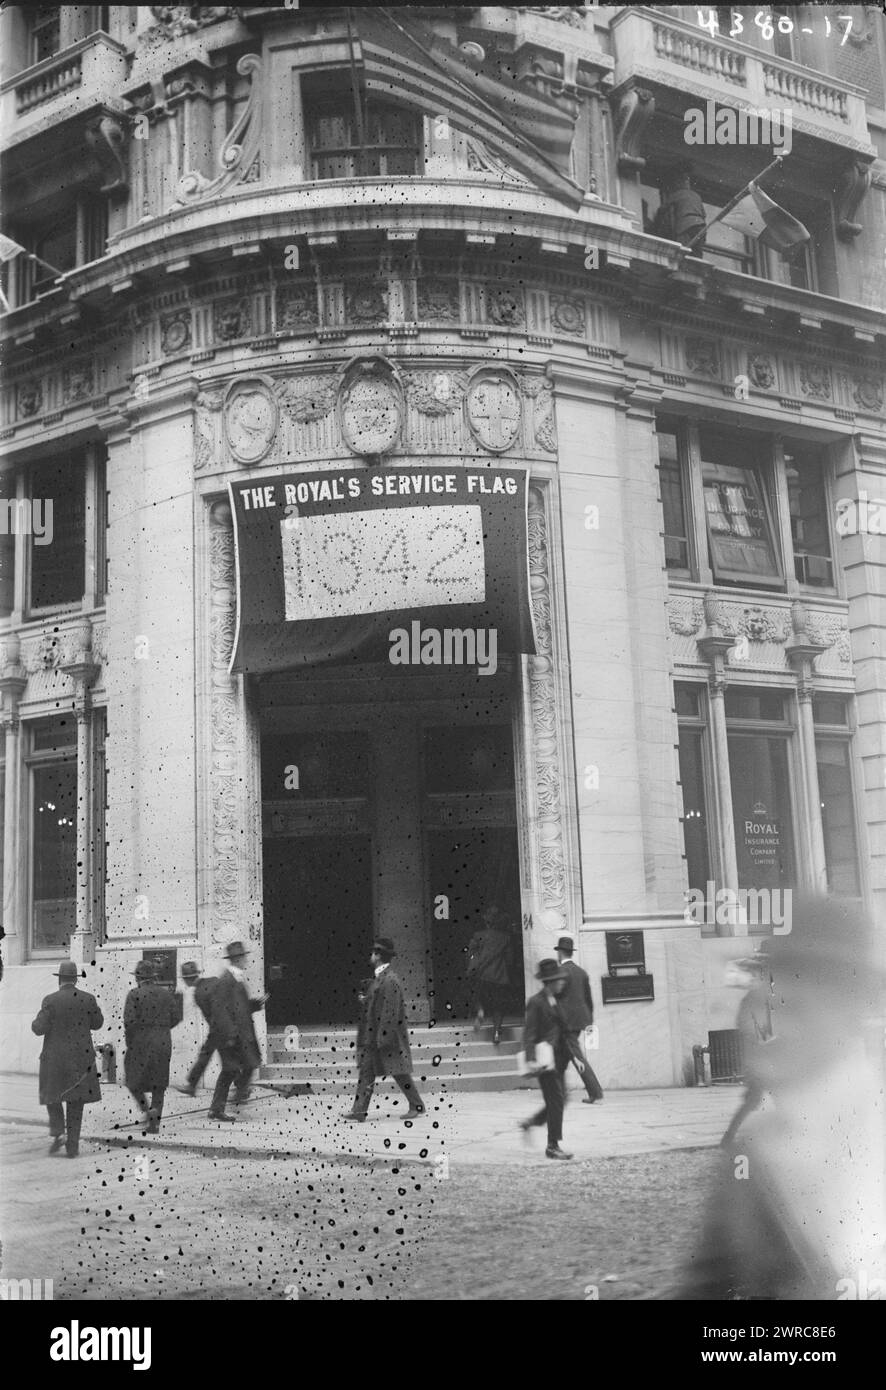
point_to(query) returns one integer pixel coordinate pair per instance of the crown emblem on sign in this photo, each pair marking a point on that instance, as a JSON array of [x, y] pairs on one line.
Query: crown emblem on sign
[[759, 808]]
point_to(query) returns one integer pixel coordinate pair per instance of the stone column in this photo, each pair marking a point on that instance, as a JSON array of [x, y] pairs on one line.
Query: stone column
[[714, 644], [12, 683], [801, 653], [83, 671]]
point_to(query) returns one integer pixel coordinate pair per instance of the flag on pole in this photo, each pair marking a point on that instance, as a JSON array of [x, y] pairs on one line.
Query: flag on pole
[[757, 216], [9, 249], [397, 63]]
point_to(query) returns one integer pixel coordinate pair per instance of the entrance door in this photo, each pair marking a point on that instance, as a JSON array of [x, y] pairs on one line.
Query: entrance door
[[473, 868], [318, 926]]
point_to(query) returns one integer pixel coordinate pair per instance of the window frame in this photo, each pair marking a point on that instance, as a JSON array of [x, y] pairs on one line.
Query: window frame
[[34, 759], [845, 734], [31, 610], [787, 730], [701, 723]]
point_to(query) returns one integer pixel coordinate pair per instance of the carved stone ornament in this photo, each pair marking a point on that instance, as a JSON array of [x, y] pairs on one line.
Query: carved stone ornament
[[175, 331], [493, 409], [251, 418], [541, 392], [568, 315], [703, 356], [239, 150], [830, 632], [370, 407], [815, 381], [850, 192], [504, 305], [307, 398], [232, 319], [763, 625], [77, 383], [435, 393], [174, 21], [761, 371], [28, 399], [867, 391], [106, 138], [297, 308], [685, 616], [635, 109], [438, 301], [366, 303], [573, 15], [208, 403]]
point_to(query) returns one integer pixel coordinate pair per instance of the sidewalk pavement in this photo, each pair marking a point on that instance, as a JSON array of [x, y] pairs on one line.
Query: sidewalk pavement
[[473, 1127]]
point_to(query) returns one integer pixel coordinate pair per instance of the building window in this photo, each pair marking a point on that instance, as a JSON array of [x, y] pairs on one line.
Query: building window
[[760, 779], [741, 535], [807, 493], [44, 28], [52, 768], [832, 753], [9, 513], [671, 483], [57, 571], [391, 137], [726, 246], [76, 234], [693, 782]]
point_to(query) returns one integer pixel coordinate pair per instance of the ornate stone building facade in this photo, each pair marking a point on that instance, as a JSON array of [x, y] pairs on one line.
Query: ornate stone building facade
[[236, 234]]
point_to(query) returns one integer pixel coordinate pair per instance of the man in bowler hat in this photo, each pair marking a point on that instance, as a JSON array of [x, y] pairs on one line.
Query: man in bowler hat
[[204, 988], [232, 1011], [382, 1036], [149, 1015], [545, 1023], [68, 1074], [577, 1008]]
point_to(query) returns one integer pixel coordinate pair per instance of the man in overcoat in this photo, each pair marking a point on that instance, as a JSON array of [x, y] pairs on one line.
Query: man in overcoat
[[545, 1023], [68, 1074], [382, 1037], [234, 1031], [577, 1007], [149, 1015], [204, 988]]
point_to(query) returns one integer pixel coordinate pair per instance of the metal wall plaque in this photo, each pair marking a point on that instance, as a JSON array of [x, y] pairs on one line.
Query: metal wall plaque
[[626, 989], [625, 950]]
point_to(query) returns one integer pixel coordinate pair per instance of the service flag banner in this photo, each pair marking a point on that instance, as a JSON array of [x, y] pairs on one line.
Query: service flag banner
[[757, 216], [330, 563], [9, 249]]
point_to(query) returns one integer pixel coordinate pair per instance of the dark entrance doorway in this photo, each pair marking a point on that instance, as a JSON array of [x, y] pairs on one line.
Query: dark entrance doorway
[[474, 869], [318, 927]]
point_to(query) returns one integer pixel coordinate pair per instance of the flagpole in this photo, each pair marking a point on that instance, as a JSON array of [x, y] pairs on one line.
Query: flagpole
[[358, 107], [699, 236]]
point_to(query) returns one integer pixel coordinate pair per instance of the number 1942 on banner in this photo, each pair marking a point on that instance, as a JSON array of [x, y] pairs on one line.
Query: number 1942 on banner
[[376, 561]]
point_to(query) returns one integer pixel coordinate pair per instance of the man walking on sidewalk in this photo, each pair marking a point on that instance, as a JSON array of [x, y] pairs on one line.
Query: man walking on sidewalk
[[68, 1074], [577, 1008], [203, 987], [232, 1011], [544, 1024], [149, 1015], [382, 1037]]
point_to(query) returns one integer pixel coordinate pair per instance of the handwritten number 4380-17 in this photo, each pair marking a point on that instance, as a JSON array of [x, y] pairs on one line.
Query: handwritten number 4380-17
[[767, 25]]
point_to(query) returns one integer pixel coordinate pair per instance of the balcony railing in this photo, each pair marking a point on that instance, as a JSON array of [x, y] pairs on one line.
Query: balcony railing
[[674, 53], [92, 69]]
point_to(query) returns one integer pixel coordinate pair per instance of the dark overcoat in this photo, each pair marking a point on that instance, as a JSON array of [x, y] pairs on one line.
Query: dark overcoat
[[383, 1028], [575, 1003], [203, 992], [68, 1071], [149, 1015], [489, 956], [545, 1023], [231, 1022]]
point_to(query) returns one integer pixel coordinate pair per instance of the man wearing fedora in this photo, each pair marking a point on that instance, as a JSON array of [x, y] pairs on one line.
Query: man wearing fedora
[[149, 1015], [234, 1031], [545, 1023], [382, 1036], [68, 1074], [204, 988], [577, 1008]]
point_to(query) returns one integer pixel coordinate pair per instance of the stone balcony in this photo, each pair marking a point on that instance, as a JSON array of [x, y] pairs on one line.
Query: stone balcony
[[671, 54], [88, 73]]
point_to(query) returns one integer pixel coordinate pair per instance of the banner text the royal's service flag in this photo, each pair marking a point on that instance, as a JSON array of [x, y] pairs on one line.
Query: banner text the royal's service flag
[[329, 562]]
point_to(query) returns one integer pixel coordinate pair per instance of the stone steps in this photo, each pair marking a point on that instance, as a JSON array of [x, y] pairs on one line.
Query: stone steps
[[452, 1057]]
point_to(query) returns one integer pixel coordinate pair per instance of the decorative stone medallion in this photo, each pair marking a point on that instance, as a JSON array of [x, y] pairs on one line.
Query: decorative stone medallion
[[251, 416], [504, 305], [568, 315], [815, 381], [493, 409], [703, 357], [370, 407], [175, 331], [761, 371], [438, 300], [867, 392], [29, 398]]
